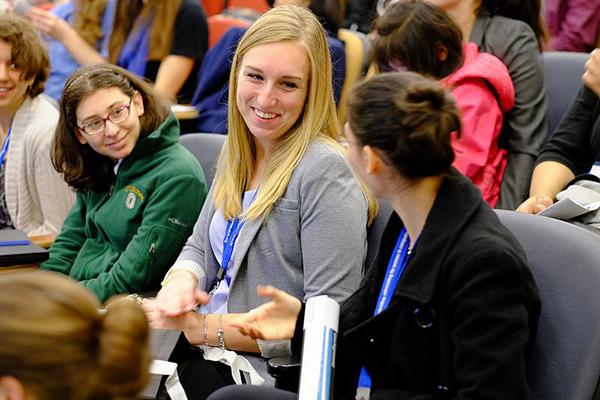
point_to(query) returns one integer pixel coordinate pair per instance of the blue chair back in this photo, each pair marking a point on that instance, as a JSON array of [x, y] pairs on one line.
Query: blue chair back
[[565, 261], [562, 76], [206, 147]]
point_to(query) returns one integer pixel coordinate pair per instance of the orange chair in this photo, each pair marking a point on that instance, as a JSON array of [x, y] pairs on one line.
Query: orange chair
[[212, 7], [260, 6], [219, 24]]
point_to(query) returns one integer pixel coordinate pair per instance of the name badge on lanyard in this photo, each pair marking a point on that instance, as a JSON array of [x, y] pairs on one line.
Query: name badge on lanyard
[[395, 269], [232, 231], [5, 145]]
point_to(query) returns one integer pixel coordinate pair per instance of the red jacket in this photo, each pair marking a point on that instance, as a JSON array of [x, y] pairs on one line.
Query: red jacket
[[483, 91]]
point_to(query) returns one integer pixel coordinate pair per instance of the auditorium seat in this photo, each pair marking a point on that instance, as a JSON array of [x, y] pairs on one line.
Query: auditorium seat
[[219, 24], [562, 76], [206, 147], [565, 262]]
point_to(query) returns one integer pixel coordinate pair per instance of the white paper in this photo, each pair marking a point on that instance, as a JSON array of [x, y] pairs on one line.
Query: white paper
[[567, 209], [318, 349], [161, 367]]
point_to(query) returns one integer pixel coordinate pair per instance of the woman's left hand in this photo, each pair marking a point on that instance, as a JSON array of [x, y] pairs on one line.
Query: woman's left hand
[[273, 320], [591, 76]]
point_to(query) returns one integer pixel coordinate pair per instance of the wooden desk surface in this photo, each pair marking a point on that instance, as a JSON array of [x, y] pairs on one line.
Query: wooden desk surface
[[44, 241], [19, 268], [184, 111]]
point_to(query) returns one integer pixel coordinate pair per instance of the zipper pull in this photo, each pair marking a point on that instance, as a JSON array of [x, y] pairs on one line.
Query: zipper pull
[[152, 248]]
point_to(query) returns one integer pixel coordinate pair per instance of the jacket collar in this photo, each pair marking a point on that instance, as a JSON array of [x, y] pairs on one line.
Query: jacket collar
[[164, 136], [456, 204], [480, 26]]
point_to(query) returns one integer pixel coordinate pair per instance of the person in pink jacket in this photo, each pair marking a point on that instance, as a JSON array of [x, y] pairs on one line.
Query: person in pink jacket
[[417, 36], [483, 92]]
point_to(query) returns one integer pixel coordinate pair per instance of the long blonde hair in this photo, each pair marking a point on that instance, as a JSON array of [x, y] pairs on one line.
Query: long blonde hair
[[318, 120]]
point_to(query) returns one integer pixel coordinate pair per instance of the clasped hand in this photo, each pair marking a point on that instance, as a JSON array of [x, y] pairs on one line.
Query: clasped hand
[[174, 302]]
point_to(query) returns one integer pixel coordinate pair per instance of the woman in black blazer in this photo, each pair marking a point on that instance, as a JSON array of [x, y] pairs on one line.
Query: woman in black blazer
[[462, 316]]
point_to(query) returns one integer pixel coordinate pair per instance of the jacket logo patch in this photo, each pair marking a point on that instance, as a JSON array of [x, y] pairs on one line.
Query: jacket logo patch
[[133, 190], [130, 200], [175, 221]]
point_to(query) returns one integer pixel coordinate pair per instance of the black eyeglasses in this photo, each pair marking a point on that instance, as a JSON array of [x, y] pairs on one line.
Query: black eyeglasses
[[116, 116]]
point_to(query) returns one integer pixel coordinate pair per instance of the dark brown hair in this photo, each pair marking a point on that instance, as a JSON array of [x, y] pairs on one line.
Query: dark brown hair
[[330, 13], [409, 119], [411, 32], [59, 346], [28, 53], [81, 166], [528, 11], [161, 14], [88, 20]]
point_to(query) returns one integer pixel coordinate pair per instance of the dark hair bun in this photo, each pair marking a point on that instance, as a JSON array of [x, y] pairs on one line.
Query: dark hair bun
[[408, 117], [425, 95]]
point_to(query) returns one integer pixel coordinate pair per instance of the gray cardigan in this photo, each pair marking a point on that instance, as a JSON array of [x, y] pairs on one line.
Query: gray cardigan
[[37, 197], [312, 243], [526, 126]]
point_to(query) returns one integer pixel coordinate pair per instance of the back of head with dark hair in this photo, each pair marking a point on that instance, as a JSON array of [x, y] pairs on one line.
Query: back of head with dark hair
[[82, 167], [57, 344], [410, 34], [409, 119], [28, 51], [330, 13]]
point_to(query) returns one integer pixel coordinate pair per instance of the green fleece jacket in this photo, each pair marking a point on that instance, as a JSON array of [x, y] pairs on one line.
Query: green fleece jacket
[[124, 240]]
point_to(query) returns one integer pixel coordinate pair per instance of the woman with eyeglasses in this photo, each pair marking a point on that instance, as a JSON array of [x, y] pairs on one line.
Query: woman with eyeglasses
[[139, 192]]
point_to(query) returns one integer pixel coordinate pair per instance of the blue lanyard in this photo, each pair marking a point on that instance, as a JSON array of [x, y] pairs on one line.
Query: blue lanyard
[[5, 146], [395, 269], [232, 231]]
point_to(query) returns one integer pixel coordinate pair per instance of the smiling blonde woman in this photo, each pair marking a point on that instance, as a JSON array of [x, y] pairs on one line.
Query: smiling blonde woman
[[285, 207]]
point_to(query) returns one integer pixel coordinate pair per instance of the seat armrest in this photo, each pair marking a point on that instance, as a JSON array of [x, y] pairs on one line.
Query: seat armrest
[[286, 371]]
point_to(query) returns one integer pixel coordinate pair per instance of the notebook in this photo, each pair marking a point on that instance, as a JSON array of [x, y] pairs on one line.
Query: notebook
[[17, 249]]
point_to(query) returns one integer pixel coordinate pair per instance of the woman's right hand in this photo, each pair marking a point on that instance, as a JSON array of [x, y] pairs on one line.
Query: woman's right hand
[[273, 320], [535, 204], [180, 294], [48, 23]]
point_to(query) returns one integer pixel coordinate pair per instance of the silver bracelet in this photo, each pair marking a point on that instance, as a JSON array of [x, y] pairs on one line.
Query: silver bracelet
[[221, 333], [205, 330]]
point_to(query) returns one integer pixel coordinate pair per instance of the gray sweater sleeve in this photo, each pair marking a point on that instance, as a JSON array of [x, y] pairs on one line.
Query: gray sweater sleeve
[[333, 212], [526, 126]]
